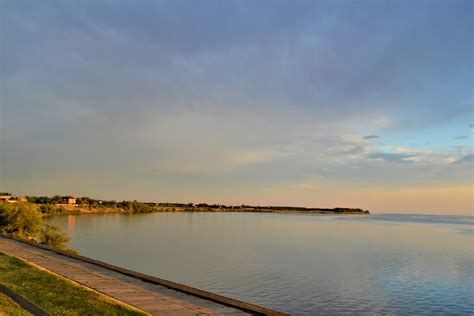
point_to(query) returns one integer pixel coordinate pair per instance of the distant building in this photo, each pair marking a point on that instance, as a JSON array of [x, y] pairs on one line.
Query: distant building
[[69, 200], [10, 198], [5, 197]]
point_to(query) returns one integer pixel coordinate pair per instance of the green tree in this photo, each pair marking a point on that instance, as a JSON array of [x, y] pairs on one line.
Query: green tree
[[47, 209], [56, 199], [51, 235], [20, 219]]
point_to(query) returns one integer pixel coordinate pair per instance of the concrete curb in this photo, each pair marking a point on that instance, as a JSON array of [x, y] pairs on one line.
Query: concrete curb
[[244, 306], [23, 302]]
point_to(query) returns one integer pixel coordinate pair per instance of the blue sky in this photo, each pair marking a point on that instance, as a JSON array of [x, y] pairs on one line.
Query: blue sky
[[256, 102]]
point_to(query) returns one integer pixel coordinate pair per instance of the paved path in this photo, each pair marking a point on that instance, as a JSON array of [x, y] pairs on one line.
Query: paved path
[[153, 298]]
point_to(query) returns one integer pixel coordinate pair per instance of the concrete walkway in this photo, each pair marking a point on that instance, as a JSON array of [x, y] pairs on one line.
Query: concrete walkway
[[153, 298]]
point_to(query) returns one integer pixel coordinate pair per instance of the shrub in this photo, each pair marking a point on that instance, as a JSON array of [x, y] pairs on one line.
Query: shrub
[[51, 235], [24, 220], [47, 209], [20, 219], [137, 207]]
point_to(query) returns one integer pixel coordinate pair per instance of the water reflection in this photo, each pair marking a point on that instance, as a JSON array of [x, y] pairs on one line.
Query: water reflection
[[71, 222], [302, 264]]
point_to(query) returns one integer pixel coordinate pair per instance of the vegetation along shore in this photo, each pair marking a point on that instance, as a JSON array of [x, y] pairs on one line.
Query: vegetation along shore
[[71, 205], [22, 217]]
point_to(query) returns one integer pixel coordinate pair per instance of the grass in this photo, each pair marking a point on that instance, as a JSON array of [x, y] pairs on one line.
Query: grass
[[10, 307], [54, 294]]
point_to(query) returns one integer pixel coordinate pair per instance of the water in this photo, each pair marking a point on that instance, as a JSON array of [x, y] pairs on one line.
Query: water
[[304, 264]]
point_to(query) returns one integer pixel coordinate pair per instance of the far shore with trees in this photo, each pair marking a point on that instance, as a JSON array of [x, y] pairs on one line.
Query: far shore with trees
[[62, 205], [22, 217]]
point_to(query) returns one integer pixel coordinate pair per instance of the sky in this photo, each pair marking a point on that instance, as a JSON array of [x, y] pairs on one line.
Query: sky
[[339, 103]]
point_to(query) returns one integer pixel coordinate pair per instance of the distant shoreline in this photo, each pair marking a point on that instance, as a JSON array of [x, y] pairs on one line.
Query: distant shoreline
[[67, 209], [57, 205]]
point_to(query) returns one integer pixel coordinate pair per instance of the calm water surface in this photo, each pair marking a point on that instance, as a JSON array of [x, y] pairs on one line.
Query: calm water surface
[[303, 264]]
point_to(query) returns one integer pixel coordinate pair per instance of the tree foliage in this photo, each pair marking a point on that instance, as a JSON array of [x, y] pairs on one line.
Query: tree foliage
[[51, 235], [137, 207], [24, 220], [20, 219]]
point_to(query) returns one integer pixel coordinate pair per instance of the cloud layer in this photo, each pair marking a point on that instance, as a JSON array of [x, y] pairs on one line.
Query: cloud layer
[[236, 101]]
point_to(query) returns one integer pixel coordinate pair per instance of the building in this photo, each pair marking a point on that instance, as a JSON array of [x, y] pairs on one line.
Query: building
[[5, 197], [10, 198], [68, 200]]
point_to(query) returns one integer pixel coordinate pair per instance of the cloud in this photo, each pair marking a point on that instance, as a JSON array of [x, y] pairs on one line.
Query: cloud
[[461, 150], [227, 96], [465, 159], [310, 185], [460, 137], [401, 149], [393, 157]]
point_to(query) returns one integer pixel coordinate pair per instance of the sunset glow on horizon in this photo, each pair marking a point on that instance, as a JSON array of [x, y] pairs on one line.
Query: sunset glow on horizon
[[365, 104]]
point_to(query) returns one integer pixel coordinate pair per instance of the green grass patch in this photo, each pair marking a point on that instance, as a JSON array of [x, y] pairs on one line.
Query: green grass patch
[[56, 295], [10, 307]]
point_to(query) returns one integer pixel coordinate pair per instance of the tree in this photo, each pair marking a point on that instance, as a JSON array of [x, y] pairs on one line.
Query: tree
[[56, 199], [48, 209], [51, 235], [20, 219]]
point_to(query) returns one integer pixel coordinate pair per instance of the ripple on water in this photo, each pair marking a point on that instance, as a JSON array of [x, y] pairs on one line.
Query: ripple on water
[[304, 265]]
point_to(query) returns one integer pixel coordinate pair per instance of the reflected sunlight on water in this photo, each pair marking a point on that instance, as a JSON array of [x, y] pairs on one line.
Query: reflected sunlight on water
[[299, 263]]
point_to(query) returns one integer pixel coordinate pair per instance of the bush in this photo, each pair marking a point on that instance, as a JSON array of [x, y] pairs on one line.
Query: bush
[[47, 209], [24, 220], [51, 235], [20, 219], [137, 207]]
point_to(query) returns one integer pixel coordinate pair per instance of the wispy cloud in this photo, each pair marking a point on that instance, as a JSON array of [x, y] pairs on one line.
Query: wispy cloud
[[177, 95], [392, 157], [461, 149], [465, 159], [401, 149]]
